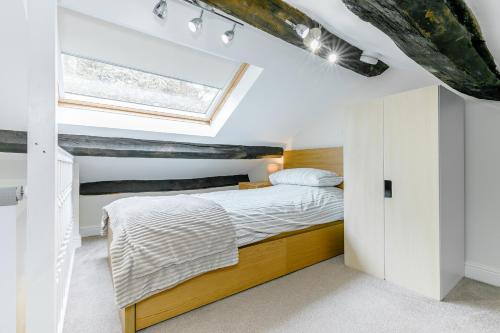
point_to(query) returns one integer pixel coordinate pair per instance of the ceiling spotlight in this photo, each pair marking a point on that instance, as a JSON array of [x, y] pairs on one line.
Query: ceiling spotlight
[[228, 36], [160, 9], [314, 45], [333, 57], [313, 39], [195, 24], [369, 57], [300, 29]]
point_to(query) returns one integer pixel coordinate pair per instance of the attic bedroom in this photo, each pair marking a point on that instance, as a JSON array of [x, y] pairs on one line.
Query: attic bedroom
[[249, 166]]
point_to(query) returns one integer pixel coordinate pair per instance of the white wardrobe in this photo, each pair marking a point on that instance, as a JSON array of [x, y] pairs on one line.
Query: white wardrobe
[[404, 189]]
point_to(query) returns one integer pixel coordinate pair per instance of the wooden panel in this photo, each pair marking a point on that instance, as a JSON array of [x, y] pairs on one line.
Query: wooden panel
[[141, 186], [412, 214], [322, 158], [364, 196], [258, 263], [127, 317], [308, 248], [253, 185]]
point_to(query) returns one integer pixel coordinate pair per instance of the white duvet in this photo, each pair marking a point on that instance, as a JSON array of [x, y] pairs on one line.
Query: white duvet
[[265, 212]]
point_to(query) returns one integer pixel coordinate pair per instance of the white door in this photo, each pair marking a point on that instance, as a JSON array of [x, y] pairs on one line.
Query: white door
[[412, 214], [363, 189]]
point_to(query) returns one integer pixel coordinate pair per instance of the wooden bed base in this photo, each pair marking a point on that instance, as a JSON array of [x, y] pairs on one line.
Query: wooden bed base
[[258, 263]]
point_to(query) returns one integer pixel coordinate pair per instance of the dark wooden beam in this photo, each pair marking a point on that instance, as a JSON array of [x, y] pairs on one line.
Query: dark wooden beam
[[13, 141], [271, 15], [140, 186], [82, 145], [443, 36]]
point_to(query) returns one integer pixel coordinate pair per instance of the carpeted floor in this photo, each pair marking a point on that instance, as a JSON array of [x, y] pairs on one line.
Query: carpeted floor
[[327, 297]]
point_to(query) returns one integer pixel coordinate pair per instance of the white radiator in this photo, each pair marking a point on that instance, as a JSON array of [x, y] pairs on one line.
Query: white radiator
[[64, 232]]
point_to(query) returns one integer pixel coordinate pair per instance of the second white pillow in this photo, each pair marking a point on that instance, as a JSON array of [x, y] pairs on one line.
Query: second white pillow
[[306, 177]]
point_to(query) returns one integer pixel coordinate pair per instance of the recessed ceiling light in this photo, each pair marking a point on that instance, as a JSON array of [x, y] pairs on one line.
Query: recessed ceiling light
[[196, 24], [228, 36], [160, 9]]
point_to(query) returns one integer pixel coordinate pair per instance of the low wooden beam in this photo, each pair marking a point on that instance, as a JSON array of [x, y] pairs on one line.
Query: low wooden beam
[[140, 186], [271, 15], [82, 145], [443, 36], [13, 141]]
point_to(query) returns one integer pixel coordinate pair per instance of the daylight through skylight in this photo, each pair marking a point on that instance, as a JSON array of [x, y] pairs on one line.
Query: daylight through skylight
[[103, 82]]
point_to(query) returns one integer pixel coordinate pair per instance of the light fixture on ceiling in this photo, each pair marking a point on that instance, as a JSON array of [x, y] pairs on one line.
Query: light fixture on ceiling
[[313, 39], [196, 24], [301, 29], [228, 36], [333, 57], [160, 9], [369, 57]]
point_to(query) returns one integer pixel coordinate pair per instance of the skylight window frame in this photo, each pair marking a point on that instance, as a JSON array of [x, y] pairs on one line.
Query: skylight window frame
[[70, 100]]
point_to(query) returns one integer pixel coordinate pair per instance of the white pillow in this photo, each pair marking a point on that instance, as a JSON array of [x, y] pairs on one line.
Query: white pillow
[[306, 177]]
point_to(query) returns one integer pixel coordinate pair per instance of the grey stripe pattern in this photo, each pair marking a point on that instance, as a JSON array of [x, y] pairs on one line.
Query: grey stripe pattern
[[159, 242], [262, 213]]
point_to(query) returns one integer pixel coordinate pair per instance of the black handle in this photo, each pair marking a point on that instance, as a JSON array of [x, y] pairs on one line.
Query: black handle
[[387, 188]]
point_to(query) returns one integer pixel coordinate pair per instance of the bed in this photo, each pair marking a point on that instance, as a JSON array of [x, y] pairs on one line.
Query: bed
[[266, 249]]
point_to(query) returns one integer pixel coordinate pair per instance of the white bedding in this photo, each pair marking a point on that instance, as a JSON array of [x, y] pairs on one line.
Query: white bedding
[[265, 212]]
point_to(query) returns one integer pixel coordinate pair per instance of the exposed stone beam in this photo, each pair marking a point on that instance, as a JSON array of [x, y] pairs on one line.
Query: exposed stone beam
[[271, 15], [140, 186], [82, 145], [443, 36]]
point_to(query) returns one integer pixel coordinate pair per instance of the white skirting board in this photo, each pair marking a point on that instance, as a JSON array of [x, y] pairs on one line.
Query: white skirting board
[[482, 273]]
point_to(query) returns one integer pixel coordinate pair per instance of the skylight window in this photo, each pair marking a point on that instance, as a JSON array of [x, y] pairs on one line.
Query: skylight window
[[96, 83], [93, 80]]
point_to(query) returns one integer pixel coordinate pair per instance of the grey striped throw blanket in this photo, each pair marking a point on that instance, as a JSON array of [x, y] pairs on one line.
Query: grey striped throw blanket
[[159, 242]]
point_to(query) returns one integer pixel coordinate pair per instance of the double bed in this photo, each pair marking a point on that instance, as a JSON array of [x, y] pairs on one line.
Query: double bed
[[278, 230]]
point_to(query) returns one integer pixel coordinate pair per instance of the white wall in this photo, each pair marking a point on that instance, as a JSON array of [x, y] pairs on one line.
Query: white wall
[[13, 57], [12, 169], [482, 209]]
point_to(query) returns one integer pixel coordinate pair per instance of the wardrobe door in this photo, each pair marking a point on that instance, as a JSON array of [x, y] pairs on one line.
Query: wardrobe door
[[412, 213], [363, 189]]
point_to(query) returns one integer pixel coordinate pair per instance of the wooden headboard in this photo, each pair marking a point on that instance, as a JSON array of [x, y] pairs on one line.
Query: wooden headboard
[[322, 158]]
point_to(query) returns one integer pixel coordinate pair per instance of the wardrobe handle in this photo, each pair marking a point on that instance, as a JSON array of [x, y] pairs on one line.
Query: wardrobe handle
[[387, 188]]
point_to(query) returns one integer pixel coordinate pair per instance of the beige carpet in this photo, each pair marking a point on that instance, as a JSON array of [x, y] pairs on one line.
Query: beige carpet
[[327, 297]]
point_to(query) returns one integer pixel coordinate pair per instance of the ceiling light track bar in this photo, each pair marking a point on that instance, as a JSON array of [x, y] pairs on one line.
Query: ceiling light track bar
[[211, 10]]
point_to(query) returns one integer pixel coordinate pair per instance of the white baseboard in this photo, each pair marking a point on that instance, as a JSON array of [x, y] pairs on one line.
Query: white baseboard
[[482, 273], [90, 231]]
